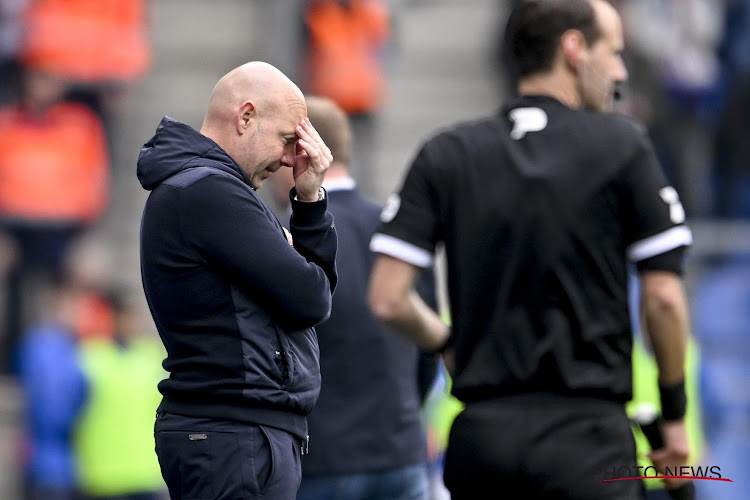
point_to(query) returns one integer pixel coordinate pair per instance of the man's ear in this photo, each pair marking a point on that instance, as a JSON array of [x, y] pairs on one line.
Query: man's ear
[[246, 116], [573, 45]]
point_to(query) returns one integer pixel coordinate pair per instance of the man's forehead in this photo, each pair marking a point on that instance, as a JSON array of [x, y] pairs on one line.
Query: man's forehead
[[290, 109], [298, 108], [288, 118]]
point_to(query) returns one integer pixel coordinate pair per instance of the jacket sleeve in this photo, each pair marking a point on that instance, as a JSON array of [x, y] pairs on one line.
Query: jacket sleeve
[[231, 231], [314, 235]]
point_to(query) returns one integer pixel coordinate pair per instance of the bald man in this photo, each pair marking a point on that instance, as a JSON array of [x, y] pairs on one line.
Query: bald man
[[234, 301]]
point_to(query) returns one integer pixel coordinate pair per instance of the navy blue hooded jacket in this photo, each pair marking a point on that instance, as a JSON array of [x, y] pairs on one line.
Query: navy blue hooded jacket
[[234, 303]]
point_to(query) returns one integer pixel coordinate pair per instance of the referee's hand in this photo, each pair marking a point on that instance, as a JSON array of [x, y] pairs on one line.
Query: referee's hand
[[674, 454]]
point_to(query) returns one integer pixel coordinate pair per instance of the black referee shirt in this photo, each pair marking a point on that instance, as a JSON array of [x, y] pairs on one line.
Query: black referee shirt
[[539, 209]]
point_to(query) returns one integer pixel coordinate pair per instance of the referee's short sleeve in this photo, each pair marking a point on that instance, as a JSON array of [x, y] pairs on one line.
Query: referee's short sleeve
[[654, 216], [409, 220]]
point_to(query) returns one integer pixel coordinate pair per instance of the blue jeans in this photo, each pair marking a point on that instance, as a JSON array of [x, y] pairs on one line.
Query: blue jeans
[[404, 483]]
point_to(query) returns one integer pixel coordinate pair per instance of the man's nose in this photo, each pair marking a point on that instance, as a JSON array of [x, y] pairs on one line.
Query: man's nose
[[287, 159], [286, 162], [621, 73]]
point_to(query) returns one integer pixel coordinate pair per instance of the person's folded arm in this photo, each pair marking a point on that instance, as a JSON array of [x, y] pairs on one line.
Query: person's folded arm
[[314, 234], [232, 232]]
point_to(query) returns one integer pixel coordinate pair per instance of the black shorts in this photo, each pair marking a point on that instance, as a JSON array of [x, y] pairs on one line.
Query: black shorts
[[543, 446]]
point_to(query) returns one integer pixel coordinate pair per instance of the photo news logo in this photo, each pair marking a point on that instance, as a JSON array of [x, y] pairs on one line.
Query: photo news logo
[[633, 472]]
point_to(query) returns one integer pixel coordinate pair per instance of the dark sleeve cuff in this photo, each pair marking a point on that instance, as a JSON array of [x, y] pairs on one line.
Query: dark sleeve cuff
[[308, 213]]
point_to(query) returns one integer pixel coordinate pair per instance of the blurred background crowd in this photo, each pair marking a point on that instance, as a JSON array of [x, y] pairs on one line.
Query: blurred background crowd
[[83, 83]]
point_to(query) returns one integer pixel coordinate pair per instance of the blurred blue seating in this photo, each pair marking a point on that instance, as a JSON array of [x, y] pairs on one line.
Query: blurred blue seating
[[721, 322]]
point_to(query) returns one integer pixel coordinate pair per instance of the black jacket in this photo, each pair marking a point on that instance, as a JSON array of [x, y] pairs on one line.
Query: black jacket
[[234, 304]]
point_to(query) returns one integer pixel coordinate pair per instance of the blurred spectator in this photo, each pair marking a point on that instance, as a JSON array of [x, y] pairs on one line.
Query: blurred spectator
[[114, 441], [88, 266], [54, 390], [100, 46], [11, 28], [672, 47], [345, 61], [732, 147], [54, 183]]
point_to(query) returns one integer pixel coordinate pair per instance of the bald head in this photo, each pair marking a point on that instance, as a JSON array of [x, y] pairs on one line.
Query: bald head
[[252, 114], [255, 81]]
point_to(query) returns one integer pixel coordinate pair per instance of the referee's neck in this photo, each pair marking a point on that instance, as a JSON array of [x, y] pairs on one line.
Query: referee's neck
[[553, 84]]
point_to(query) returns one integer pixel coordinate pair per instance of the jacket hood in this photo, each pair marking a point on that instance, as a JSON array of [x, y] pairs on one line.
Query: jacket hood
[[176, 147]]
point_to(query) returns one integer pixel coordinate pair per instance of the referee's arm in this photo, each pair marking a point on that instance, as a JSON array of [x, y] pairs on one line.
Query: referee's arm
[[664, 313], [393, 299], [665, 317], [654, 222]]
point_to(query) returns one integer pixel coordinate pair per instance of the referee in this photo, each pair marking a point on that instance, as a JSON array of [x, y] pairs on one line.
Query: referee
[[540, 207]]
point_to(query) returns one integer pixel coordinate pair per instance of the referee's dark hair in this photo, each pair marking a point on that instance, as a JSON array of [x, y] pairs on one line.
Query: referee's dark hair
[[534, 28]]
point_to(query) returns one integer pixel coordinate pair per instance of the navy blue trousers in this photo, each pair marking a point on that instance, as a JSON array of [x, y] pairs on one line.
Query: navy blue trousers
[[204, 459]]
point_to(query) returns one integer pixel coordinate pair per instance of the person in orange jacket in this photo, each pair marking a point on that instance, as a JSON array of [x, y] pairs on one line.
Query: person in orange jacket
[[100, 46], [347, 41], [54, 183]]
